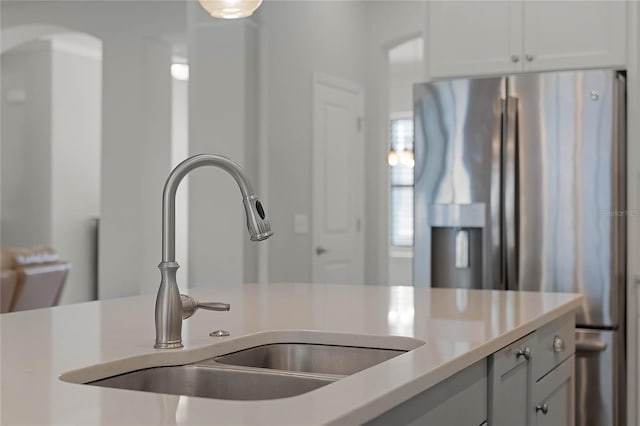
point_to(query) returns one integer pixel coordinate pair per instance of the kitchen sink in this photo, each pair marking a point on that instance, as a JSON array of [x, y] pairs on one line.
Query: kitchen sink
[[221, 383], [312, 358], [260, 366], [270, 371]]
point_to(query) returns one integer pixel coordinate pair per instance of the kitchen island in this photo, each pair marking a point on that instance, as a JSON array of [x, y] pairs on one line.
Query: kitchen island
[[460, 327]]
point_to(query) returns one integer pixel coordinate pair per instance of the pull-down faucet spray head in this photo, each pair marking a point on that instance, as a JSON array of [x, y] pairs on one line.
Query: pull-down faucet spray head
[[257, 224]]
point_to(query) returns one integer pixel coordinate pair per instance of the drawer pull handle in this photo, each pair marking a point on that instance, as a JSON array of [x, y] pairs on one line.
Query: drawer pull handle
[[558, 344], [544, 408], [526, 353]]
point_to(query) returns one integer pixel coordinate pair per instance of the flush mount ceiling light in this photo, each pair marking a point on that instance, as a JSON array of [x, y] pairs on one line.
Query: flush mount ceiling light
[[230, 9]]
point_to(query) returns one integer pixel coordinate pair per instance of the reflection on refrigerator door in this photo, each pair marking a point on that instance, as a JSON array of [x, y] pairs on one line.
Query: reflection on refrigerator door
[[598, 364], [457, 132]]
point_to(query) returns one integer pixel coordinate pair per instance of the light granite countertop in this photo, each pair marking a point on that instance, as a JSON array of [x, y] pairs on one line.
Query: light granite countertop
[[460, 327]]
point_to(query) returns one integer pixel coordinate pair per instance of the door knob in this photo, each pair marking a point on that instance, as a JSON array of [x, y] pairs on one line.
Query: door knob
[[530, 57], [320, 250], [515, 58], [544, 408]]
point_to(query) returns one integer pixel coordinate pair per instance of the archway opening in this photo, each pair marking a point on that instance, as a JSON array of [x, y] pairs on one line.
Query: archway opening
[[406, 67], [51, 84]]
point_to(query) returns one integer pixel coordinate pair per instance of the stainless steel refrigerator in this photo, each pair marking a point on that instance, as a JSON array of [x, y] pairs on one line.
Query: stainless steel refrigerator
[[520, 185]]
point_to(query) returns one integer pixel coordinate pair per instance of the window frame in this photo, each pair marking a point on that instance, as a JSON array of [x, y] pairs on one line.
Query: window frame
[[398, 250]]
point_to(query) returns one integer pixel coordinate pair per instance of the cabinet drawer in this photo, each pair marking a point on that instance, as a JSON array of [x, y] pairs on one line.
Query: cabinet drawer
[[555, 342], [460, 400], [554, 397], [509, 357]]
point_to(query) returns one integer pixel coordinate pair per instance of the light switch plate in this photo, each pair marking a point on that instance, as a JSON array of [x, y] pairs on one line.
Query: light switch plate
[[301, 223], [16, 96]]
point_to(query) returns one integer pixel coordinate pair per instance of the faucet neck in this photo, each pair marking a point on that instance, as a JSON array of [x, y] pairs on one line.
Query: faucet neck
[[169, 305], [171, 186]]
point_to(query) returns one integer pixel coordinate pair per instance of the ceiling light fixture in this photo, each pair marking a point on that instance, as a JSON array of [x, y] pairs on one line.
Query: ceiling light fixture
[[230, 9], [180, 71], [402, 157]]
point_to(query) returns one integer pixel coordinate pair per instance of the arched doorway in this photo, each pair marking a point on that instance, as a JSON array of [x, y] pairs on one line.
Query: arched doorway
[[405, 67], [51, 141]]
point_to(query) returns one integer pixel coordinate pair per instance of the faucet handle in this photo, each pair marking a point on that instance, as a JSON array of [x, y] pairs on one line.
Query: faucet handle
[[214, 306], [191, 305]]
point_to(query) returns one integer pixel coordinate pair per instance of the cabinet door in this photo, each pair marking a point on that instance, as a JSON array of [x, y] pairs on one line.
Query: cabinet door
[[574, 34], [554, 397], [460, 400], [510, 384], [474, 38]]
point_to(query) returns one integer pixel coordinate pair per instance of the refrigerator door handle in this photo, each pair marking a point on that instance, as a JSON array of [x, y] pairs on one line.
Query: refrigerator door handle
[[591, 345], [619, 191], [498, 219], [510, 206]]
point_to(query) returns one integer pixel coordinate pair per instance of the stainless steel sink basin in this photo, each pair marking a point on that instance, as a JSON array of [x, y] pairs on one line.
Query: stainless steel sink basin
[[312, 358], [277, 370], [211, 382], [265, 365]]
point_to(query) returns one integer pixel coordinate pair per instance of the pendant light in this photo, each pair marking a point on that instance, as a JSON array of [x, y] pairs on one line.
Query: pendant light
[[403, 157], [230, 9]]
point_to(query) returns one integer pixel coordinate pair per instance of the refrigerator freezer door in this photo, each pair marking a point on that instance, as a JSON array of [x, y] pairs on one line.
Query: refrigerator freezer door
[[568, 166], [598, 369], [458, 126]]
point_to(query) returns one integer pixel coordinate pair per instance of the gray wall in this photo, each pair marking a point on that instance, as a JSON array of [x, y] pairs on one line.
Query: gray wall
[[75, 162], [300, 38], [402, 76], [348, 40], [250, 98], [388, 24], [26, 146], [223, 119]]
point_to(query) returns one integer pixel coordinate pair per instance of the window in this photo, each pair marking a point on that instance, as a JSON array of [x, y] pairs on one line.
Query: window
[[401, 162]]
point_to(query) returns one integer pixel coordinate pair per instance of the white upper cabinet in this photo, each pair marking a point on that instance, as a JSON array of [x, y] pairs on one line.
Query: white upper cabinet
[[497, 37], [473, 37], [574, 34]]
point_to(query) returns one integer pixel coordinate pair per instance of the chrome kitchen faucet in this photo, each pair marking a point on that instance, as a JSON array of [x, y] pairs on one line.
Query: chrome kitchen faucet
[[171, 306]]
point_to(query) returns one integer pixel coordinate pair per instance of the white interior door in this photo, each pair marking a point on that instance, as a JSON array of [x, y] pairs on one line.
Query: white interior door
[[338, 181]]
